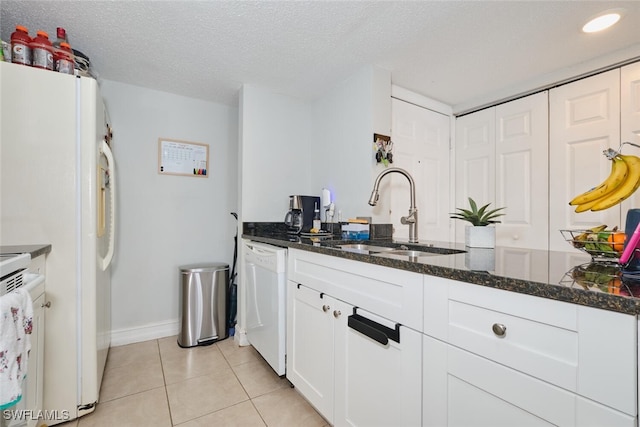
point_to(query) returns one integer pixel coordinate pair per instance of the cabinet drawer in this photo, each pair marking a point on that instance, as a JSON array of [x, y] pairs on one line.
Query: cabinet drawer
[[390, 293], [587, 351], [545, 350]]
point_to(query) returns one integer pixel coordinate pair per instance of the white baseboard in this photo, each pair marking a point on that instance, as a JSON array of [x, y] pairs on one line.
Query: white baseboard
[[148, 332]]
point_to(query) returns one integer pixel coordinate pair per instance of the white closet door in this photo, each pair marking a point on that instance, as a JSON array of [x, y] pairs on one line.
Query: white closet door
[[585, 120], [630, 122], [421, 147], [475, 162], [522, 174]]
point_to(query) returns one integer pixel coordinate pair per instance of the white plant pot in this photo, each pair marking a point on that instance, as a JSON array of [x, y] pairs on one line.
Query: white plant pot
[[480, 237], [480, 259]]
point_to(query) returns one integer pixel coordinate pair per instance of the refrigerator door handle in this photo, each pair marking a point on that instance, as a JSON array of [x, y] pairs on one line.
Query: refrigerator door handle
[[106, 151]]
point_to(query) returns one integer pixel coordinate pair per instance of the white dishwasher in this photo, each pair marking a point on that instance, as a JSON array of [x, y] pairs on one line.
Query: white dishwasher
[[265, 280]]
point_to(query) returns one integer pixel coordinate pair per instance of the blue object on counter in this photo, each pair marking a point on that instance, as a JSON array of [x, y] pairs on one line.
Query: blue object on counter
[[355, 235]]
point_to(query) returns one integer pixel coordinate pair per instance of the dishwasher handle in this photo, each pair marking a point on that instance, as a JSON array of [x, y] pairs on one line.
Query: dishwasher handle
[[373, 330]]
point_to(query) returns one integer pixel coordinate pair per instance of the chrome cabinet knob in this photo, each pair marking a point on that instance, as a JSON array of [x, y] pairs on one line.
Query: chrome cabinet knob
[[46, 304], [499, 329], [326, 308], [336, 313]]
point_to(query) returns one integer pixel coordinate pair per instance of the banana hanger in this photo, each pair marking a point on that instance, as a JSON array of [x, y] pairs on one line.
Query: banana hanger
[[611, 153]]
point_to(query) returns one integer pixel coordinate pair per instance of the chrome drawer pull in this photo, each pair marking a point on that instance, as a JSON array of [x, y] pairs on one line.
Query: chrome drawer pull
[[499, 329], [336, 313], [326, 308]]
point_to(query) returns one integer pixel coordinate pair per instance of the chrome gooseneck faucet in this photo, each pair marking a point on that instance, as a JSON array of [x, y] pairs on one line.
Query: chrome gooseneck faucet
[[412, 218]]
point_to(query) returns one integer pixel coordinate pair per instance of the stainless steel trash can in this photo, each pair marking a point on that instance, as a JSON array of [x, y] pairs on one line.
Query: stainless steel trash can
[[203, 304]]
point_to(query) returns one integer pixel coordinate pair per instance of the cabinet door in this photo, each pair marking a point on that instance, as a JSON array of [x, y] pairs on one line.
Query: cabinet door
[[584, 121], [630, 121], [462, 389], [522, 157], [475, 161], [421, 147], [310, 346], [377, 383], [35, 377]]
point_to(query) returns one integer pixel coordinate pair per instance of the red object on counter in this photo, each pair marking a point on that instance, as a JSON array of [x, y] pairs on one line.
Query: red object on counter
[[21, 46], [64, 59], [42, 51]]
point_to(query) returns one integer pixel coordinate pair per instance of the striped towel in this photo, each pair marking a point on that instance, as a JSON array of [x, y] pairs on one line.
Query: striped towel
[[16, 324]]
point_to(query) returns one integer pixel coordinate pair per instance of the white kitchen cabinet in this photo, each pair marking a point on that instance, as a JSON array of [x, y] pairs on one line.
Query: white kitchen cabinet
[[462, 389], [35, 377], [421, 146], [31, 403], [521, 360], [311, 336], [355, 366], [387, 292], [585, 120], [378, 372], [501, 158]]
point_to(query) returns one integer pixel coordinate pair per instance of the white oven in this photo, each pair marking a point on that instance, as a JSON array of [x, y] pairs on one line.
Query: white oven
[[14, 274]]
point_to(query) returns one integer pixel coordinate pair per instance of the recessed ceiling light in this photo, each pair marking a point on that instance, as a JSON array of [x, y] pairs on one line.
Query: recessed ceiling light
[[603, 21]]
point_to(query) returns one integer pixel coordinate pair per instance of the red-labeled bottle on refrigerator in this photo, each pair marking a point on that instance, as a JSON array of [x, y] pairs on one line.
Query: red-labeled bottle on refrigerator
[[63, 58], [61, 35], [42, 51], [21, 46]]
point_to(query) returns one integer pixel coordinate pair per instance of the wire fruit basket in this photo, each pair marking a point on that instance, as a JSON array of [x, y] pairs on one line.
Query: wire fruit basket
[[600, 245], [597, 276]]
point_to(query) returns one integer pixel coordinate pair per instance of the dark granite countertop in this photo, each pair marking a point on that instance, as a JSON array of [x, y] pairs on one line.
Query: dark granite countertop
[[553, 275], [34, 250]]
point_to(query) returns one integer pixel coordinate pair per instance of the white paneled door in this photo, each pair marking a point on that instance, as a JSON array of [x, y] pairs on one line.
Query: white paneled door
[[522, 174], [630, 122], [421, 146], [585, 120], [475, 162], [502, 158]]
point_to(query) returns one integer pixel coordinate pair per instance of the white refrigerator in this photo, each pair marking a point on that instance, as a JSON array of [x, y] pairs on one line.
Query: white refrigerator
[[57, 186]]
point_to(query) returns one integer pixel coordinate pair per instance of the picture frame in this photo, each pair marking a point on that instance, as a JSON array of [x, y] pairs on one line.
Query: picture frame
[[185, 158]]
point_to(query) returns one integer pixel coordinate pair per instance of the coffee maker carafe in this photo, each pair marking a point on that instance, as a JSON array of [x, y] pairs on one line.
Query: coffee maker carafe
[[300, 216], [293, 218]]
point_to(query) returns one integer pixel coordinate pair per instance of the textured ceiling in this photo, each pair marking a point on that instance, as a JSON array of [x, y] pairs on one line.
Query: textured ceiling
[[462, 53]]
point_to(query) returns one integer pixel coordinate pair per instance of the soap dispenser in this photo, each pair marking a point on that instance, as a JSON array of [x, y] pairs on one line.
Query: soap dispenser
[[317, 223]]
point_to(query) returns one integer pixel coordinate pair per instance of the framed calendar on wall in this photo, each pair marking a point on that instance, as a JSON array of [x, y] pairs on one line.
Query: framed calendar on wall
[[185, 158]]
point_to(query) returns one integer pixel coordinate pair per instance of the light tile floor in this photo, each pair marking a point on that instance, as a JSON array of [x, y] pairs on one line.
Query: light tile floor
[[156, 383]]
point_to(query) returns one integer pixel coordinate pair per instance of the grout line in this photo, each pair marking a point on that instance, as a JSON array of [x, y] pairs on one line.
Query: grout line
[[164, 380], [259, 413]]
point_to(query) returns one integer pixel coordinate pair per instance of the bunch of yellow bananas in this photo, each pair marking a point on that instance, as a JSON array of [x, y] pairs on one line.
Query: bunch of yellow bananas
[[622, 182]]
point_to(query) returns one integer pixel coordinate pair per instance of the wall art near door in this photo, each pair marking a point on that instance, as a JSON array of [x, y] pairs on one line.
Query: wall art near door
[[183, 158]]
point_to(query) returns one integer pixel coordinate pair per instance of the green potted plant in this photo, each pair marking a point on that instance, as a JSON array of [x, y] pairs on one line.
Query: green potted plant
[[478, 235]]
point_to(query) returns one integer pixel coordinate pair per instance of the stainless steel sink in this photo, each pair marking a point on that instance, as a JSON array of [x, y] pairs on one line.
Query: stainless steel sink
[[411, 254], [398, 250], [364, 249], [414, 255]]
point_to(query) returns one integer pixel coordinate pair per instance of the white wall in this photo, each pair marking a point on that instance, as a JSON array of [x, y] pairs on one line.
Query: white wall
[[166, 221], [344, 121], [274, 153]]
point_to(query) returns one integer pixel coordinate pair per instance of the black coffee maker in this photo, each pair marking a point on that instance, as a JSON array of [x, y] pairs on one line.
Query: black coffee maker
[[299, 219]]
